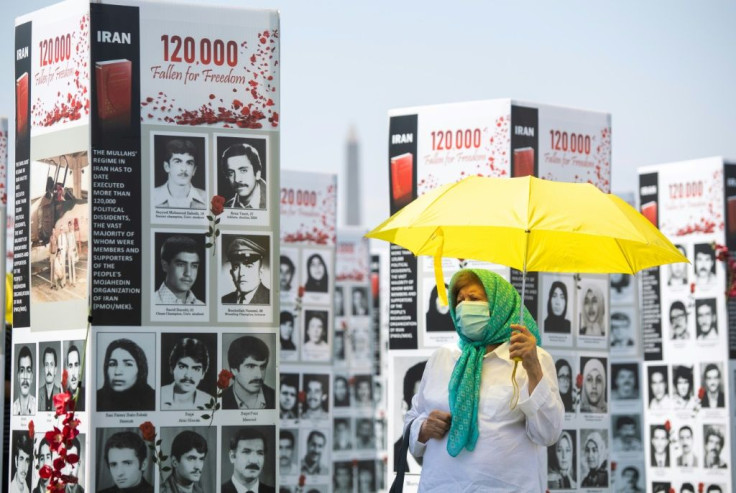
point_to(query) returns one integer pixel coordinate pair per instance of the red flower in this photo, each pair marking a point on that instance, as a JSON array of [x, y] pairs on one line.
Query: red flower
[[301, 396], [302, 480], [672, 490], [301, 292], [667, 425], [223, 379], [64, 378], [55, 439], [148, 431], [701, 393], [700, 487], [351, 381], [579, 381], [218, 204], [31, 429], [613, 466], [61, 402]]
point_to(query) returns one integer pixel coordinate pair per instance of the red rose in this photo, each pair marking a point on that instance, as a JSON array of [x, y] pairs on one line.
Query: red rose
[[148, 431], [700, 487], [31, 429], [667, 425], [613, 466], [64, 378], [692, 287], [46, 472], [355, 462], [223, 379], [301, 396], [218, 204], [672, 490], [302, 480], [579, 381], [55, 439], [701, 393], [61, 402], [301, 292]]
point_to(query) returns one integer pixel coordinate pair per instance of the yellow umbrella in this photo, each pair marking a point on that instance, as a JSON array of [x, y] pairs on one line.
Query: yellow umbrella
[[528, 224]]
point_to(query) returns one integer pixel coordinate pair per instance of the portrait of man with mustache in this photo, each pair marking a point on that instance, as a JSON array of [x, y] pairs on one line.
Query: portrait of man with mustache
[[243, 173], [188, 457], [25, 404], [249, 455], [188, 364], [50, 387], [180, 158], [248, 358]]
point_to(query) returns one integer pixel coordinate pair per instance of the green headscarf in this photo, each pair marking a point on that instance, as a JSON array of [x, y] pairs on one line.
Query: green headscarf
[[464, 385]]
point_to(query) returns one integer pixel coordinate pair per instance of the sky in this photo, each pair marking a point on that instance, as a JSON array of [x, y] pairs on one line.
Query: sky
[[665, 70]]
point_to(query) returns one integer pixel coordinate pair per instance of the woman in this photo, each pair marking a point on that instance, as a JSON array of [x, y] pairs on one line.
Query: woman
[[561, 457], [464, 421], [682, 380], [316, 274], [126, 379], [564, 380], [594, 399], [594, 453], [438, 316], [556, 321], [316, 333], [592, 316]]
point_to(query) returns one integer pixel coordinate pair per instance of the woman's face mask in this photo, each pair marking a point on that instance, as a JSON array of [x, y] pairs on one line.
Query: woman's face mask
[[471, 319]]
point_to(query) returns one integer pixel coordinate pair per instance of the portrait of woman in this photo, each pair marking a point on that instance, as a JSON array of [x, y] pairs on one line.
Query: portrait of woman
[[341, 392], [561, 462], [564, 380], [125, 385], [556, 320], [594, 396], [592, 312], [315, 333], [317, 281], [595, 460], [682, 382], [438, 316]]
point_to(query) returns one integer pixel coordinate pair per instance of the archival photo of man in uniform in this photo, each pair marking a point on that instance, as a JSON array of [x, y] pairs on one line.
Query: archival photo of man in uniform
[[248, 459], [192, 458], [246, 261], [24, 403], [242, 172], [188, 371], [177, 177], [251, 360], [50, 384], [180, 272]]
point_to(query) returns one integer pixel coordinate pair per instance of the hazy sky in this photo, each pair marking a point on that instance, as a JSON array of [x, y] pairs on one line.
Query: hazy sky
[[666, 70]]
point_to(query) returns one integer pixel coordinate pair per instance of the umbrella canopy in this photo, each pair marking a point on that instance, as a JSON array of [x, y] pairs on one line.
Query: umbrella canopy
[[531, 225]]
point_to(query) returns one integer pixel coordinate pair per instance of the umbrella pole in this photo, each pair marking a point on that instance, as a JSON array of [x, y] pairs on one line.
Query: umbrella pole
[[523, 280]]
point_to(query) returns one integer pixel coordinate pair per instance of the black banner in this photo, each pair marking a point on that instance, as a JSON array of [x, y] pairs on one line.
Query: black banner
[[21, 246], [116, 165], [531, 289], [524, 141], [376, 312], [651, 289], [729, 171], [402, 156]]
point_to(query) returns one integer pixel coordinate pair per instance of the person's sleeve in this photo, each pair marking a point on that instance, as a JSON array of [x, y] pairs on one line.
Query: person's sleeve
[[543, 409], [418, 413]]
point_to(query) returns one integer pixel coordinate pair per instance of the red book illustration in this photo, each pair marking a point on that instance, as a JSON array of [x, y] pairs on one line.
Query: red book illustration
[[649, 210], [524, 161], [21, 105], [402, 171], [114, 79]]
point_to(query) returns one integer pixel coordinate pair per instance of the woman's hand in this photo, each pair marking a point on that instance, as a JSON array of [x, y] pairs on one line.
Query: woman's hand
[[436, 426], [523, 345]]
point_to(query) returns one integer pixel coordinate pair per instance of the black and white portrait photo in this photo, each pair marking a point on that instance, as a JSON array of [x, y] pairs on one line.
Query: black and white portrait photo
[[436, 314], [706, 320], [623, 327], [246, 270], [243, 172], [359, 301], [338, 346], [127, 377], [124, 462], [678, 318], [594, 394], [24, 392], [363, 385], [659, 453], [44, 457], [594, 463], [367, 480], [317, 455], [248, 459], [365, 433], [625, 381], [562, 463], [317, 396], [179, 172], [712, 382], [251, 359], [288, 275], [192, 457], [339, 301], [180, 272], [622, 288], [626, 433], [683, 398], [677, 277], [49, 382], [288, 393], [361, 343], [288, 336], [316, 273], [405, 376], [315, 334], [704, 263], [592, 310], [73, 365], [566, 382], [288, 440], [659, 392], [342, 477], [342, 438], [341, 391], [188, 370], [557, 308], [629, 478], [714, 445], [686, 441], [21, 462]]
